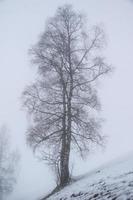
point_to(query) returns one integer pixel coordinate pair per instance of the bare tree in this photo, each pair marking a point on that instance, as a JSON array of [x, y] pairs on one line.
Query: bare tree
[[8, 161], [63, 100]]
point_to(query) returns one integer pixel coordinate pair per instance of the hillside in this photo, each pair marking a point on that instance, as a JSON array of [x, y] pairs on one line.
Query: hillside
[[112, 181]]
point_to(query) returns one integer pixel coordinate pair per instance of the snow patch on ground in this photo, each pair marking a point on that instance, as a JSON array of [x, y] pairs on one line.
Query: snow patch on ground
[[112, 181]]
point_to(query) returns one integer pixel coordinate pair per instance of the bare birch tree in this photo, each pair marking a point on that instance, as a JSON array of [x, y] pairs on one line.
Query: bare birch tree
[[63, 99], [8, 162]]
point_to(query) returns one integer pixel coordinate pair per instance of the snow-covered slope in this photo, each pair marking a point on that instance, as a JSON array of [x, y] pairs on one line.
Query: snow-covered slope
[[113, 181]]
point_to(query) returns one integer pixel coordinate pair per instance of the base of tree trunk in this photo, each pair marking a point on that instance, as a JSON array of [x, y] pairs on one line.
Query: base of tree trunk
[[57, 189], [65, 182]]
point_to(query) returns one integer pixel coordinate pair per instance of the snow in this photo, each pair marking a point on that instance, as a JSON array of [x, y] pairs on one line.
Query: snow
[[111, 181]]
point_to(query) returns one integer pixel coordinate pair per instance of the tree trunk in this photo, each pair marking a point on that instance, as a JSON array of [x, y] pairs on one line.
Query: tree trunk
[[65, 151], [66, 137], [65, 148], [64, 164]]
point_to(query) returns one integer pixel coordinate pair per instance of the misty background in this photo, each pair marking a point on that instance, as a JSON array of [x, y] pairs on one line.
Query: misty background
[[21, 23]]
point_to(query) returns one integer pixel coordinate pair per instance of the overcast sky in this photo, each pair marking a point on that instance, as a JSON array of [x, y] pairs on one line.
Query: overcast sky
[[21, 22]]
